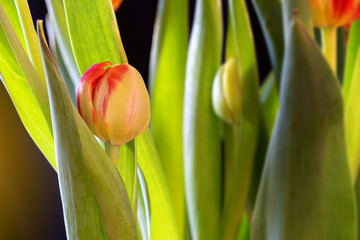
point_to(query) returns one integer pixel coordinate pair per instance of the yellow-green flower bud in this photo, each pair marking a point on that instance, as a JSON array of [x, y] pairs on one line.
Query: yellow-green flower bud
[[226, 92]]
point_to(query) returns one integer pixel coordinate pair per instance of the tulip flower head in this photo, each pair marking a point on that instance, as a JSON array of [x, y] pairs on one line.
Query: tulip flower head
[[114, 102], [334, 13], [116, 4]]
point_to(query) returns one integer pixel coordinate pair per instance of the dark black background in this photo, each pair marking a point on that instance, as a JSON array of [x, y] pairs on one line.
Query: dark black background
[[30, 205]]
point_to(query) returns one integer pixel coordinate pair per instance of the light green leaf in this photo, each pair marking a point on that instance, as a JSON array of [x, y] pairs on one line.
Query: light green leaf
[[240, 140], [167, 80], [163, 221], [351, 55], [306, 190], [143, 207], [269, 101], [127, 167], [270, 15], [352, 121], [22, 96], [57, 17], [78, 200], [31, 40], [113, 203], [201, 128], [32, 78], [91, 31], [11, 12]]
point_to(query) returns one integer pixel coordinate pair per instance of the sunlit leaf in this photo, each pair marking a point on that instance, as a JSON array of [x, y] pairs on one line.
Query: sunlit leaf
[[113, 203], [78, 200], [167, 80], [201, 128], [21, 94]]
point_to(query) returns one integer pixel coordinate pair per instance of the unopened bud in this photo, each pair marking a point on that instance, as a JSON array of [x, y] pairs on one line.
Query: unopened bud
[[114, 102], [226, 92]]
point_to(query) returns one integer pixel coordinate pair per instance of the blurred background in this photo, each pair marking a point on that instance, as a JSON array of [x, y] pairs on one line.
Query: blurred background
[[30, 204]]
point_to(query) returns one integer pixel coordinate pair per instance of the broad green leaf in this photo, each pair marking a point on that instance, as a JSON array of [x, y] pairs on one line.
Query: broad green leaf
[[32, 78], [163, 221], [270, 15], [78, 199], [113, 203], [22, 96], [241, 139], [11, 12], [201, 128], [92, 35], [167, 80], [306, 190], [31, 40], [56, 13], [298, 8], [351, 55], [352, 121]]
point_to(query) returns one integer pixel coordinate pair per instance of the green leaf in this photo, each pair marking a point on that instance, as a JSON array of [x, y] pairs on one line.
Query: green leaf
[[127, 167], [301, 9], [57, 17], [167, 80], [21, 94], [163, 221], [352, 121], [11, 12], [270, 15], [143, 207], [241, 145], [113, 203], [306, 190], [92, 35], [351, 55], [31, 40], [78, 200], [201, 128], [269, 101], [32, 78]]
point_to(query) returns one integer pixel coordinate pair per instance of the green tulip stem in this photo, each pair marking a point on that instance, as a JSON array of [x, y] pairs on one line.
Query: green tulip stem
[[113, 151], [329, 38], [135, 193]]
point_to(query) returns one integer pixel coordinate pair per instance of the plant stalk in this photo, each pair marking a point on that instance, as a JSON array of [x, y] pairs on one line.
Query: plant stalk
[[135, 192], [113, 151], [329, 43]]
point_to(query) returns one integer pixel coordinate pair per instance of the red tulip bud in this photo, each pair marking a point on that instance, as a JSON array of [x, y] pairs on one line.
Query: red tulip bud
[[334, 13], [114, 102]]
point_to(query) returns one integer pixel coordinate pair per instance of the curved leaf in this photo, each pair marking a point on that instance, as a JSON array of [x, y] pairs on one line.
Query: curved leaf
[[306, 190], [167, 80]]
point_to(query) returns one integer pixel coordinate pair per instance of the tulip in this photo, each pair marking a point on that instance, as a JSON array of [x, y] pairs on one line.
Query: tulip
[[114, 103], [116, 4], [330, 14], [334, 13], [226, 92]]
